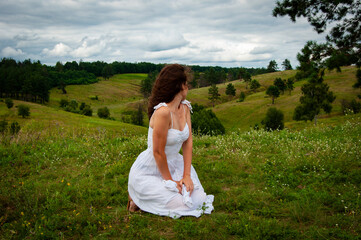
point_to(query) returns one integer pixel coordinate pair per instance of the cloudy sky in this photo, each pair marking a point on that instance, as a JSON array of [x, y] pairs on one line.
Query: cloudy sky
[[228, 33]]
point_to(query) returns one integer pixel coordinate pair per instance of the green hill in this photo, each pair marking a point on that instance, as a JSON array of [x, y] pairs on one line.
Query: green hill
[[242, 115], [121, 93], [65, 175], [43, 117]]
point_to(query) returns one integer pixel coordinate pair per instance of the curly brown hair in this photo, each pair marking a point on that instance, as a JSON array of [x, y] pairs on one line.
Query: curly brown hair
[[168, 83]]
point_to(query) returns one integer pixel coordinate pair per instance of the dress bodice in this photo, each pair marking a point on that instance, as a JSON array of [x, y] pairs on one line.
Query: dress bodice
[[175, 137]]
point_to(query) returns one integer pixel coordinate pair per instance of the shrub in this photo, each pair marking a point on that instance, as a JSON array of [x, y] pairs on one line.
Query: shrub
[[205, 122], [348, 107], [87, 111], [274, 120], [63, 103], [23, 110], [3, 126], [242, 96], [103, 112], [9, 103], [14, 128], [73, 104], [137, 116], [254, 85], [82, 106]]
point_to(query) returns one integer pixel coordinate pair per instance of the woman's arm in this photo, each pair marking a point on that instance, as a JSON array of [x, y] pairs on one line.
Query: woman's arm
[[187, 156], [160, 131]]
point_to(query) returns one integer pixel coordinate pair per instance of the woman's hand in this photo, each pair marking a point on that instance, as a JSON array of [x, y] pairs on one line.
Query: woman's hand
[[179, 186], [187, 181]]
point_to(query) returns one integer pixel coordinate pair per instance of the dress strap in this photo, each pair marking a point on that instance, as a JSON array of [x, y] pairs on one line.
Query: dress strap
[[162, 104], [171, 117], [188, 103]]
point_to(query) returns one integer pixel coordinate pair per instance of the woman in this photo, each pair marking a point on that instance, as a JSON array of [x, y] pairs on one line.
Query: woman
[[162, 181]]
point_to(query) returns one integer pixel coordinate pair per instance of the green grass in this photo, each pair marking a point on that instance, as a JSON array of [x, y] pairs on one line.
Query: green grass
[[65, 175], [43, 116], [241, 115], [71, 182], [121, 92]]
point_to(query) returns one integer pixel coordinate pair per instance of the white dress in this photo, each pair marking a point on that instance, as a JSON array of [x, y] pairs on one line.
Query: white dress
[[151, 193]]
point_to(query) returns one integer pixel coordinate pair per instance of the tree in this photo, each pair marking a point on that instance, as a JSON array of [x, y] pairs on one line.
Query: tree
[[287, 64], [289, 85], [213, 93], [245, 76], [107, 71], [211, 76], [310, 59], [343, 40], [23, 110], [194, 82], [230, 90], [272, 66], [137, 117], [147, 84], [103, 112], [316, 96], [9, 103], [281, 84], [254, 85], [274, 120], [59, 67], [273, 92]]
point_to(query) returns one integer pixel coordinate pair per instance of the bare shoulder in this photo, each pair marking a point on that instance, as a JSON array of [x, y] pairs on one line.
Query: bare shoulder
[[162, 112], [161, 117]]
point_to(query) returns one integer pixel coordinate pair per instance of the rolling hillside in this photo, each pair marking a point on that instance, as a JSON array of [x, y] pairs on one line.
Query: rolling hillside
[[242, 115], [122, 93]]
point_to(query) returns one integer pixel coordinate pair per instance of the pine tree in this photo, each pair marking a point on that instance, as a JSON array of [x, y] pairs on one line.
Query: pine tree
[[287, 64], [281, 84], [230, 90], [272, 66], [316, 96], [289, 85], [213, 93], [254, 85]]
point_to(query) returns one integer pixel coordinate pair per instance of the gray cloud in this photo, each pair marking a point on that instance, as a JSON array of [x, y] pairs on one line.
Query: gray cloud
[[213, 32]]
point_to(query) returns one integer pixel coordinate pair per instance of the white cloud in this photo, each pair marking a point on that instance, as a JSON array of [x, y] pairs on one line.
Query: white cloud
[[59, 50], [215, 32], [11, 52], [85, 50]]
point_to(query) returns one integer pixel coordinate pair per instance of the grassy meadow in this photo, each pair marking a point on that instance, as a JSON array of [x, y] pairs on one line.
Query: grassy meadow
[[64, 175], [120, 93], [241, 115], [71, 183]]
